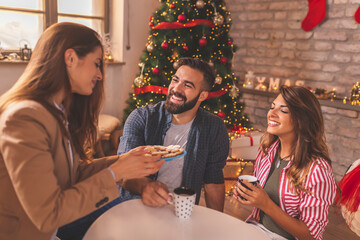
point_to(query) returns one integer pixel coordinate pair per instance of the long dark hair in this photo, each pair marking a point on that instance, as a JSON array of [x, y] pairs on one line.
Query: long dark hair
[[46, 75], [308, 124]]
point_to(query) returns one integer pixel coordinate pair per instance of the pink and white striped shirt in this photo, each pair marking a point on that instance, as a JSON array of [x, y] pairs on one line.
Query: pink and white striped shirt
[[312, 208]]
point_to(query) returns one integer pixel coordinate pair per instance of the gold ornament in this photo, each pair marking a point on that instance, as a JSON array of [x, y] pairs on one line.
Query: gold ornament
[[218, 79], [224, 8], [176, 65], [218, 19], [234, 91], [211, 64], [150, 47], [200, 4], [139, 81]]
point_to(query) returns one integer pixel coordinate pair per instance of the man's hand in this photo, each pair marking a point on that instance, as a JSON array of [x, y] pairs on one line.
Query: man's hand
[[155, 194]]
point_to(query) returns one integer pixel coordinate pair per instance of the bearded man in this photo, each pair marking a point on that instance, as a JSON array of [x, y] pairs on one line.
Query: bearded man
[[180, 121]]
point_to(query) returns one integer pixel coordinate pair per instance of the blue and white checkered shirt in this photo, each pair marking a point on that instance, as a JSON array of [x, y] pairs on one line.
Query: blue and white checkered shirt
[[207, 147]]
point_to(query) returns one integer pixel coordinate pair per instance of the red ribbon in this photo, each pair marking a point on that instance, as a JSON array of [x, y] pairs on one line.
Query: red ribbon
[[177, 25], [239, 129], [151, 88], [218, 93], [164, 90]]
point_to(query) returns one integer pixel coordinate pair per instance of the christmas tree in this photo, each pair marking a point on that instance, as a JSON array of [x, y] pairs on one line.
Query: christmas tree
[[190, 28]]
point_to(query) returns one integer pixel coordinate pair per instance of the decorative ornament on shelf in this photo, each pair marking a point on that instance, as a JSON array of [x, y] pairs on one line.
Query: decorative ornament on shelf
[[200, 4], [25, 53], [107, 48], [355, 94], [156, 70], [221, 115], [150, 47], [320, 93], [234, 91], [182, 17], [218, 80], [202, 42], [165, 45], [261, 84], [13, 57], [249, 79], [274, 85], [139, 81]]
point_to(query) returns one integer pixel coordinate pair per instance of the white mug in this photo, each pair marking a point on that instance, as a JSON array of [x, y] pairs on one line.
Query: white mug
[[183, 199]]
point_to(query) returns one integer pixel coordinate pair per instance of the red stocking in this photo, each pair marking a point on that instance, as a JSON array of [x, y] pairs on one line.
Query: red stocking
[[357, 15], [315, 15]]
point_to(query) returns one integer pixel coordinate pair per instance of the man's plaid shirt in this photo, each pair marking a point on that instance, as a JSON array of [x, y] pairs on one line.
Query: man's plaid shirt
[[207, 147]]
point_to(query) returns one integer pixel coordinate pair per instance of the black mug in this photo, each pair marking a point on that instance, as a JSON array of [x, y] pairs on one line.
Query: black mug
[[251, 179]]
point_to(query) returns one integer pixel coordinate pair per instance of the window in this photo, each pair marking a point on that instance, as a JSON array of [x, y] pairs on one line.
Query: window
[[23, 21]]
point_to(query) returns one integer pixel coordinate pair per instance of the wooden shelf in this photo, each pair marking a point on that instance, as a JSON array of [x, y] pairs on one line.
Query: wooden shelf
[[324, 102]]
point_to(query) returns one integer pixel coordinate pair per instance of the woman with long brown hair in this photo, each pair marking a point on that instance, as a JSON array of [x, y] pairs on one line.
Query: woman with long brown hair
[[296, 184], [47, 121]]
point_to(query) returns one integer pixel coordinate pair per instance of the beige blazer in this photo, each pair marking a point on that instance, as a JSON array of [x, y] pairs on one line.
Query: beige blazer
[[39, 190]]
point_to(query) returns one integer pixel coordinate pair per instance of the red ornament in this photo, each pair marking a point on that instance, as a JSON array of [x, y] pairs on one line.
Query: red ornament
[[230, 42], [172, 6], [150, 18], [202, 42], [223, 60], [165, 45], [186, 48], [156, 71], [182, 17], [221, 115], [151, 24]]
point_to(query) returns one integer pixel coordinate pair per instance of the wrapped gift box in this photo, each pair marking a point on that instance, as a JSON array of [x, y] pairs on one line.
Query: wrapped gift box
[[245, 146], [233, 169]]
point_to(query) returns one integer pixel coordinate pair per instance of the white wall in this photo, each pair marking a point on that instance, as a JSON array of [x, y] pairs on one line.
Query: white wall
[[118, 77], [121, 77]]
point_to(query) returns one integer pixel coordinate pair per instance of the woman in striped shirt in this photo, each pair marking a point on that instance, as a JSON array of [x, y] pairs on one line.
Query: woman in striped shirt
[[296, 183]]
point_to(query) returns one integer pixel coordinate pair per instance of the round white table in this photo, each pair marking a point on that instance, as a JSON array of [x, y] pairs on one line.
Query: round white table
[[132, 220]]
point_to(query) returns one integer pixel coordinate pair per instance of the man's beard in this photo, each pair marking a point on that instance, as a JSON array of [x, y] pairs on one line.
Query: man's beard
[[179, 108]]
